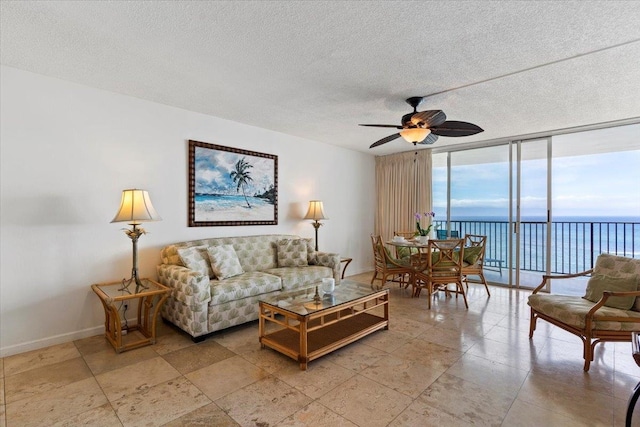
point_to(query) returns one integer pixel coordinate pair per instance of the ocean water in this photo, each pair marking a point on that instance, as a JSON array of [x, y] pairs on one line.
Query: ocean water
[[576, 242]]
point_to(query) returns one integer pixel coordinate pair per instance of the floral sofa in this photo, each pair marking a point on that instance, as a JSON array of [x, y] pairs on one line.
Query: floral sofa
[[216, 283]]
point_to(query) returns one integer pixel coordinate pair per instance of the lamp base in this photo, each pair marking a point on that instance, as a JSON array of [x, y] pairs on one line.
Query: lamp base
[[127, 282]]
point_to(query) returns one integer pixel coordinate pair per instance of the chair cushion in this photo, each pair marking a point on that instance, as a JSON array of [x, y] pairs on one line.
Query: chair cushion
[[196, 258], [292, 253], [472, 253], [224, 261], [618, 266], [598, 283], [572, 310]]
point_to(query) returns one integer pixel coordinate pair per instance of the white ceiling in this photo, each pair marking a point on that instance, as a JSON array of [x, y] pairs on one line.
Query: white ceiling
[[317, 69]]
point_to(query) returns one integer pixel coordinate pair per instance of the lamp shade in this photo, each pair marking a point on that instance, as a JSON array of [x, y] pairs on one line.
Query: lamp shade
[[136, 208], [316, 211], [414, 135]]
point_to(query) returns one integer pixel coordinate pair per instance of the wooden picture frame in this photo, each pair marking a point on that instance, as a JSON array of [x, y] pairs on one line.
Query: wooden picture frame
[[231, 186]]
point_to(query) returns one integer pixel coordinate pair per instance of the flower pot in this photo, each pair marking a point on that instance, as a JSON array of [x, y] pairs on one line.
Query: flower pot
[[423, 240]]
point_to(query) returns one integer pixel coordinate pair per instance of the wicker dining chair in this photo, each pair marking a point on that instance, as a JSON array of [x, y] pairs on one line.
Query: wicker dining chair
[[473, 260], [403, 251], [443, 267], [386, 266]]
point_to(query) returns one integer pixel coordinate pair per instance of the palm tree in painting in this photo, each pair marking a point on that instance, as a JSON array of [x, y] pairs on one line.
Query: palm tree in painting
[[241, 175]]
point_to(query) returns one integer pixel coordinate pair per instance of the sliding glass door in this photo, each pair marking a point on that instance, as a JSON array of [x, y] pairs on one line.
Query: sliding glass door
[[547, 205]]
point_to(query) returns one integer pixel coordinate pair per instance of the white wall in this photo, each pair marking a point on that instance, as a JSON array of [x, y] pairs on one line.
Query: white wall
[[67, 151]]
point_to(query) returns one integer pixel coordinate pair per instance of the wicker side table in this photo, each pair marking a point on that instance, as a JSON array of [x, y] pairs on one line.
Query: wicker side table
[[149, 301]]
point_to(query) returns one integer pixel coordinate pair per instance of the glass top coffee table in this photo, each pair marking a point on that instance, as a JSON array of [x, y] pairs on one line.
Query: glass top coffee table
[[306, 329]]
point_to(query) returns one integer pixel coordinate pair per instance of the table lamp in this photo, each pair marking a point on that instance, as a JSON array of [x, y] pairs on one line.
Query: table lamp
[[316, 213], [135, 208]]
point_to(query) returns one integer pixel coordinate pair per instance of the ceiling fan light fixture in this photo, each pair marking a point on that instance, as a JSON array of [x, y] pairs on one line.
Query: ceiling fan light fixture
[[414, 135]]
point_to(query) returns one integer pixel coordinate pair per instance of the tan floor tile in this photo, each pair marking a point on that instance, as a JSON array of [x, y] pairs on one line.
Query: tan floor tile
[[492, 375], [207, 416], [450, 338], [196, 357], [432, 355], [316, 415], [170, 339], [48, 408], [161, 403], [239, 338], [267, 359], [1, 367], [320, 377], [523, 414], [39, 358], [421, 414], [94, 344], [365, 402], [45, 379], [2, 398], [356, 356], [564, 397], [620, 407], [108, 360], [624, 384], [3, 419], [265, 402], [407, 326], [136, 377], [386, 340], [467, 401], [102, 416], [519, 356], [405, 376], [226, 376]]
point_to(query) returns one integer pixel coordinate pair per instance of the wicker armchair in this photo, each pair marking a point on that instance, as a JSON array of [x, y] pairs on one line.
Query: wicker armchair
[[611, 317]]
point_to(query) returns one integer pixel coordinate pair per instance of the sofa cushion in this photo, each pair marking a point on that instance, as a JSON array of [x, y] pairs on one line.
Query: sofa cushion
[[312, 255], [292, 253], [618, 266], [295, 277], [196, 258], [224, 261], [572, 310], [598, 283], [242, 286]]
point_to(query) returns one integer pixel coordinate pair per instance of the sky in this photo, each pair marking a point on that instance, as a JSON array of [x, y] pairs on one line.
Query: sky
[[598, 184], [213, 168]]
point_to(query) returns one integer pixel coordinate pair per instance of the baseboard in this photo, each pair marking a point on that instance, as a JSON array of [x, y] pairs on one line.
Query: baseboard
[[49, 341]]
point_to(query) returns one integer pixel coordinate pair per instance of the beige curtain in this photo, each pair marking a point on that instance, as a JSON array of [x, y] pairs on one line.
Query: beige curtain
[[403, 187]]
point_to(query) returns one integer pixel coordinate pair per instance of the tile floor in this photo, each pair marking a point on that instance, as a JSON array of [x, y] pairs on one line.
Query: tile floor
[[448, 366]]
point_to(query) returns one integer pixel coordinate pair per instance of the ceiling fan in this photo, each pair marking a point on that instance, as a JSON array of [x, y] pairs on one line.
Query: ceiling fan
[[423, 127]]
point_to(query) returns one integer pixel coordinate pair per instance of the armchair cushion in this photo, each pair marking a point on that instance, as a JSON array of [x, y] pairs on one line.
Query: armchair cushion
[[292, 253], [224, 261], [196, 258], [618, 266], [572, 310], [600, 283]]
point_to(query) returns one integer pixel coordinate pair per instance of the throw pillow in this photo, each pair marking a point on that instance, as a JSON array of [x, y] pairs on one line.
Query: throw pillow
[[600, 283], [224, 261], [312, 255], [292, 253], [196, 258], [471, 254]]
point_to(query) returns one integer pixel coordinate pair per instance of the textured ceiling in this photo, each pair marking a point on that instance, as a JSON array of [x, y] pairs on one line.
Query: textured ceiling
[[317, 69]]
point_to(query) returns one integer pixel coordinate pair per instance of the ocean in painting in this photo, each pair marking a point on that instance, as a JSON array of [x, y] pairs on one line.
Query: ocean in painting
[[232, 208]]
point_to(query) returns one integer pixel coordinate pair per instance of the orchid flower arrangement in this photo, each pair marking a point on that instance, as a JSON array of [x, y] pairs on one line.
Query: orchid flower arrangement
[[424, 231]]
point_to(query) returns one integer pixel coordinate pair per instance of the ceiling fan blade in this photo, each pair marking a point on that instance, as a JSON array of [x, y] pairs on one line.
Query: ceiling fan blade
[[384, 126], [455, 128], [430, 139], [429, 118], [385, 140]]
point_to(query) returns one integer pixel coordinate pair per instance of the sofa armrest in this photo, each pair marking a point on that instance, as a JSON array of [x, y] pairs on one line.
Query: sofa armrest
[[546, 277], [327, 259], [187, 286]]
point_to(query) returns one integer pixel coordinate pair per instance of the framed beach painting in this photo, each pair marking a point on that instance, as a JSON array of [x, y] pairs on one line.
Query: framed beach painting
[[231, 186]]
